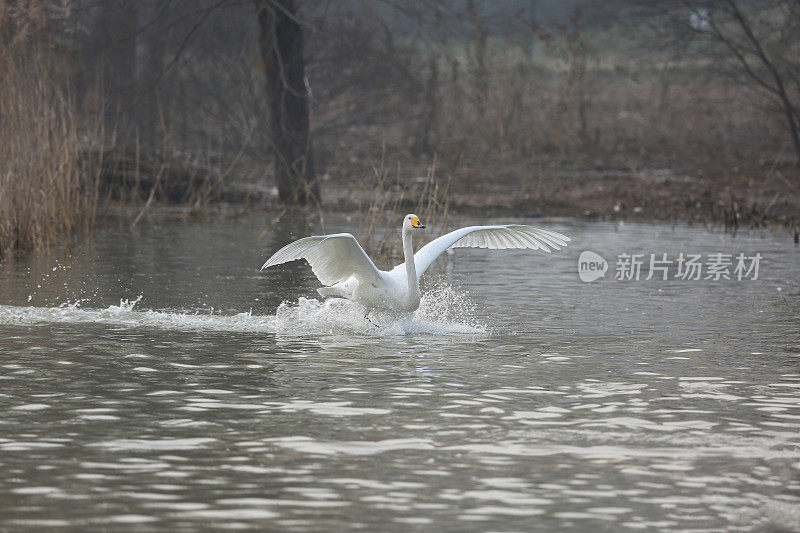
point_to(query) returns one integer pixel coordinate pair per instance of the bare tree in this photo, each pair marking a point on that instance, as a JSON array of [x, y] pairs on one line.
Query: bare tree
[[762, 41], [281, 41]]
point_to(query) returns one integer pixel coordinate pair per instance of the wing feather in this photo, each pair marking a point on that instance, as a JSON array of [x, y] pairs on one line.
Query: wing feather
[[547, 240], [510, 236], [518, 240], [333, 258]]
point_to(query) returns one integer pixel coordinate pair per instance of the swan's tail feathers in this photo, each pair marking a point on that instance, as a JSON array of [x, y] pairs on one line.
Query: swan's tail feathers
[[343, 290], [329, 291]]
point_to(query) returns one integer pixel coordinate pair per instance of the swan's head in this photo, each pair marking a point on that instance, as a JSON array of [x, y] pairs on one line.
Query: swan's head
[[412, 222]]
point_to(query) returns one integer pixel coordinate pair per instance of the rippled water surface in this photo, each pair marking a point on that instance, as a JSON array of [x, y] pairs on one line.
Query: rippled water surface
[[153, 380]]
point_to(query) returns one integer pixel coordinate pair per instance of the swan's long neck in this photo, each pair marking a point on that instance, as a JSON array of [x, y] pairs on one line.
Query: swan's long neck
[[411, 269]]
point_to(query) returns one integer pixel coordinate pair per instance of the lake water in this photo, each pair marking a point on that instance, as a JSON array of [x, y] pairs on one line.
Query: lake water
[[152, 380]]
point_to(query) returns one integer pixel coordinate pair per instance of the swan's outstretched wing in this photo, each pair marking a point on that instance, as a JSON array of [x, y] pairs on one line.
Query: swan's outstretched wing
[[333, 258], [492, 237]]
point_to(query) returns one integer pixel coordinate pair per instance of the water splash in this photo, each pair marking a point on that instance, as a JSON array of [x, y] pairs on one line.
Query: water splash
[[440, 313], [443, 311], [444, 303]]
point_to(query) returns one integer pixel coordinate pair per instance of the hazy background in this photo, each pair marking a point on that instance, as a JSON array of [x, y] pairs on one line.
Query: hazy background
[[575, 106]]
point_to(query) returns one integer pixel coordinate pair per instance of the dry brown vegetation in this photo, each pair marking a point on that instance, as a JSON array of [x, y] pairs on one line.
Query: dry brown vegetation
[[428, 107], [47, 191], [379, 210], [586, 122]]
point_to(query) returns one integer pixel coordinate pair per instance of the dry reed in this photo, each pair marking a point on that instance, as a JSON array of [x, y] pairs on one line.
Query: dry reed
[[387, 203], [47, 190]]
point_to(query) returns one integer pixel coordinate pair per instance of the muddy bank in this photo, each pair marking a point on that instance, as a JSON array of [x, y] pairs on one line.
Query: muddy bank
[[742, 199], [729, 197]]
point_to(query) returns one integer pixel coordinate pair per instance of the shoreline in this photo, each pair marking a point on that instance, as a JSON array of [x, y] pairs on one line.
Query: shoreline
[[673, 206]]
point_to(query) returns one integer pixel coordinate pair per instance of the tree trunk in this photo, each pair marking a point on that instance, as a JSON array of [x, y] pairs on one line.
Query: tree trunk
[[281, 42]]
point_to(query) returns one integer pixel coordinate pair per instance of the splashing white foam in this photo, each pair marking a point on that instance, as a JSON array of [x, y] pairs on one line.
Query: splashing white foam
[[443, 311]]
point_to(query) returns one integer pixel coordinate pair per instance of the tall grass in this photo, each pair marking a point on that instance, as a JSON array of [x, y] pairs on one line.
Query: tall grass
[[382, 210], [47, 190]]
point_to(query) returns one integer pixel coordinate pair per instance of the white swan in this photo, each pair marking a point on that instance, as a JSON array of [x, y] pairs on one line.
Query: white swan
[[339, 262]]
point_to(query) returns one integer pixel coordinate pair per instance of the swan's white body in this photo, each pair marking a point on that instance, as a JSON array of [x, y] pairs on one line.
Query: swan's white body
[[341, 264]]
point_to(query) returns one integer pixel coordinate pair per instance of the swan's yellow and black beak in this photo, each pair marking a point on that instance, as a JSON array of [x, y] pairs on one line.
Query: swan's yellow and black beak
[[415, 223]]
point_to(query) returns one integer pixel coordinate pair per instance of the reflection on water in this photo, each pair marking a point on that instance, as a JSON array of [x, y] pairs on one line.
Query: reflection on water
[[516, 397]]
